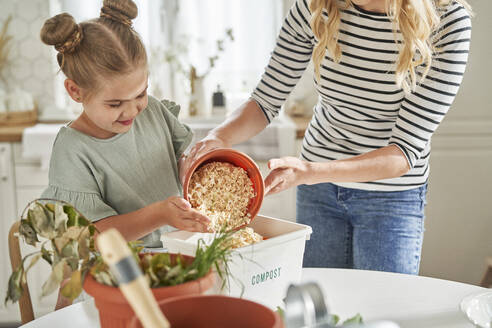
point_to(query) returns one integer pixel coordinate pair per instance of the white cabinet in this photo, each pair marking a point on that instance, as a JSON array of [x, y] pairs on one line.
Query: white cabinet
[[21, 181], [30, 179], [8, 212]]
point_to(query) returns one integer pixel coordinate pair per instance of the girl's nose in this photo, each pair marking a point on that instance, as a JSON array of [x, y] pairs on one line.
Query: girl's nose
[[133, 109]]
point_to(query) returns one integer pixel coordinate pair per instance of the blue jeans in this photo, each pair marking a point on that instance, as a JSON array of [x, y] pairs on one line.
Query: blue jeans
[[360, 229]]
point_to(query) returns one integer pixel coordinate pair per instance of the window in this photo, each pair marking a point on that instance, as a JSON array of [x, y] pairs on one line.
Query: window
[[164, 24]]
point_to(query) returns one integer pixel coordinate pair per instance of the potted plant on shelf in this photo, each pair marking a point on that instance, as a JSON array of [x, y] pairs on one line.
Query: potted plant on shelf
[[66, 242]]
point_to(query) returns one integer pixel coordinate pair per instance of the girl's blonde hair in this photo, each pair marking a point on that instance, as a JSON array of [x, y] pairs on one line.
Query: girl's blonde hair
[[415, 19], [98, 49]]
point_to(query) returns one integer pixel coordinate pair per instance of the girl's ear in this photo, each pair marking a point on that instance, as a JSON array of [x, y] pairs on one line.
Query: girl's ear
[[73, 90]]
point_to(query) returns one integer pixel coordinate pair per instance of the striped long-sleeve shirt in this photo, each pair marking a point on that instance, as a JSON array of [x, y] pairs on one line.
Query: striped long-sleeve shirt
[[360, 107]]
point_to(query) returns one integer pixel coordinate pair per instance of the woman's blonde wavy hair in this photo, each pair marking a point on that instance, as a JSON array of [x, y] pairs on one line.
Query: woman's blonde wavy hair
[[415, 19]]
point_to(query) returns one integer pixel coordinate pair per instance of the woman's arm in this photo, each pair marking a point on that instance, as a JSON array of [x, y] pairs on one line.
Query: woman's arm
[[174, 211], [289, 59], [246, 122], [384, 163]]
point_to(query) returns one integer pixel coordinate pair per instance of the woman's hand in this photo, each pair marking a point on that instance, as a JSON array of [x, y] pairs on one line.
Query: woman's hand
[[202, 147], [286, 172], [180, 215]]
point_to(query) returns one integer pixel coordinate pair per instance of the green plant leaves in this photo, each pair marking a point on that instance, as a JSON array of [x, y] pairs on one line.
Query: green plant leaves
[[72, 215], [101, 273], [50, 220], [86, 245], [26, 230], [72, 251], [70, 254], [333, 319], [105, 278], [174, 272], [71, 236], [42, 220], [15, 289], [73, 287], [356, 319], [75, 219], [61, 218], [46, 255], [34, 260], [54, 279], [72, 233]]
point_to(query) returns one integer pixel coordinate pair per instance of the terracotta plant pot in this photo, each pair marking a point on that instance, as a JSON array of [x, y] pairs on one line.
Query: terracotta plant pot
[[114, 310], [236, 158], [205, 311]]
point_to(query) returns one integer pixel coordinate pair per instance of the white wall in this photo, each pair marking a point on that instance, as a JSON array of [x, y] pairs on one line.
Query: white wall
[[458, 233], [30, 67]]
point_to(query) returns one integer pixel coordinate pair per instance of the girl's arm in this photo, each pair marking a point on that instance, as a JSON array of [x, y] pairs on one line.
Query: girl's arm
[[384, 163], [174, 211]]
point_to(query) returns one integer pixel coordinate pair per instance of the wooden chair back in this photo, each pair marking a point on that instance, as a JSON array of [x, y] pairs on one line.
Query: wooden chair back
[[25, 304], [487, 276]]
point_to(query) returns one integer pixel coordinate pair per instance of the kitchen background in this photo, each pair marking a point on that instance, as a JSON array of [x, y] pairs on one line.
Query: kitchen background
[[180, 34]]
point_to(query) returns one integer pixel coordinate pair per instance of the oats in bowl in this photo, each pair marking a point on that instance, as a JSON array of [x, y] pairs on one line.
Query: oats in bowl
[[222, 192]]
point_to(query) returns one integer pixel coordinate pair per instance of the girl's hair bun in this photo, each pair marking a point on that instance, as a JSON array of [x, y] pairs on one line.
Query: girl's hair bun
[[122, 11], [62, 32]]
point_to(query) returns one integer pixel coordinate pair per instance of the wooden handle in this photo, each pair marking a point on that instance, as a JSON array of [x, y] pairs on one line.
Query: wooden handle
[[132, 282]]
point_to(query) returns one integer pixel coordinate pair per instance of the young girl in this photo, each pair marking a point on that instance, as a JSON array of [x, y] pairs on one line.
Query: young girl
[[117, 163], [387, 72]]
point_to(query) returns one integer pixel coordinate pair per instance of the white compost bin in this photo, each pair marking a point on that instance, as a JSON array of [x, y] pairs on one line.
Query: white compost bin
[[263, 271]]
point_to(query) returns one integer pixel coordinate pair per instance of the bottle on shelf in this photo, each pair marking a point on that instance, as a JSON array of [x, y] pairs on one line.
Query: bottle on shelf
[[218, 103]]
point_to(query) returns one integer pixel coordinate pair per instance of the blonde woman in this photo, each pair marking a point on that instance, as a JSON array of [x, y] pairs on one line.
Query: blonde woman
[[386, 73]]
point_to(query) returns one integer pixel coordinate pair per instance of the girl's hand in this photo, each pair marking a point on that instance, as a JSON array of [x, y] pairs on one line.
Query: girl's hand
[[286, 172], [202, 147], [180, 215]]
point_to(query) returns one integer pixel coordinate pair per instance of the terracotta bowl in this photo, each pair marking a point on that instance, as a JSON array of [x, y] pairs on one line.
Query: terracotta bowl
[[218, 311], [236, 158]]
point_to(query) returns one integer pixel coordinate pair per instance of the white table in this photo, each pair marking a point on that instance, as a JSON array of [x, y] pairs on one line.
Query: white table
[[410, 301]]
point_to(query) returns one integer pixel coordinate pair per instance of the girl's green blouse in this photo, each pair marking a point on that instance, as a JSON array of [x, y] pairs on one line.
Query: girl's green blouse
[[105, 177]]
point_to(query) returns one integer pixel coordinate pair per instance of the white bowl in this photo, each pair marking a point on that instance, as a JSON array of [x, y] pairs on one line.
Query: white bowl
[[478, 308]]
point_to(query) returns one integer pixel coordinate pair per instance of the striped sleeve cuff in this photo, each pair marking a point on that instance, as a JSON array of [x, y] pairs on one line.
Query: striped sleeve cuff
[[267, 110], [410, 156]]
